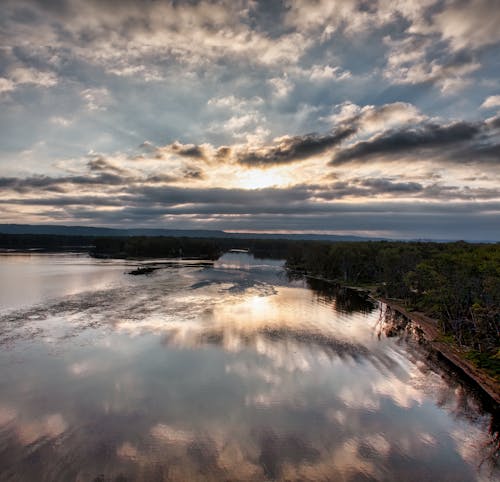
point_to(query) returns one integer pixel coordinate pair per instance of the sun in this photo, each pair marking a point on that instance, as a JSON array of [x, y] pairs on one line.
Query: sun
[[259, 179]]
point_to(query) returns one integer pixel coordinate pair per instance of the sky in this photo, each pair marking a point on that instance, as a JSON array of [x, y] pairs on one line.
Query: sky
[[373, 118]]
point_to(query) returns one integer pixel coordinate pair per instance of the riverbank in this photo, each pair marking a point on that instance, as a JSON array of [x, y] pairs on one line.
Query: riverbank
[[432, 335]]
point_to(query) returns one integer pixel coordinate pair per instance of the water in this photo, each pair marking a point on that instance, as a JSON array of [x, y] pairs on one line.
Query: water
[[223, 372]]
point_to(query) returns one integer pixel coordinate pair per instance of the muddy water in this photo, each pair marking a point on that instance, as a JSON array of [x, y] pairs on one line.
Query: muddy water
[[219, 372]]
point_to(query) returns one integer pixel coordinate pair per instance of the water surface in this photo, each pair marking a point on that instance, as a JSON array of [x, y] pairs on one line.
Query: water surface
[[223, 372]]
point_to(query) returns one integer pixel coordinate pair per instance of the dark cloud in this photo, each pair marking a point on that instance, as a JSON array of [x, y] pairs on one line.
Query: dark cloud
[[186, 150], [101, 164], [121, 178], [31, 183], [396, 143], [292, 149], [376, 187], [383, 185], [480, 152], [421, 221], [68, 200], [60, 184], [223, 153], [284, 150], [193, 172], [305, 199], [260, 198], [494, 122], [160, 179]]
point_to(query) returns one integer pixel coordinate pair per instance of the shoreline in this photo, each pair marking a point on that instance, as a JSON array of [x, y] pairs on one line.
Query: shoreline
[[431, 333]]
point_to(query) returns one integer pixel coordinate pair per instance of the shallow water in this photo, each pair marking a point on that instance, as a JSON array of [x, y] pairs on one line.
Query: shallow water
[[223, 372]]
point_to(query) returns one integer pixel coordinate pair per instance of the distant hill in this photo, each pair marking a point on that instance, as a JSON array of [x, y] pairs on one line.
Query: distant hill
[[190, 233]]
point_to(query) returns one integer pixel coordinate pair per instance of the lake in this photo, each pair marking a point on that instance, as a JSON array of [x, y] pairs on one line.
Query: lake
[[223, 371]]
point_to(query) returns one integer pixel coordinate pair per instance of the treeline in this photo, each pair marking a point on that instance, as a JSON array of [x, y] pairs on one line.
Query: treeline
[[457, 283], [184, 247], [146, 246], [155, 247], [46, 242]]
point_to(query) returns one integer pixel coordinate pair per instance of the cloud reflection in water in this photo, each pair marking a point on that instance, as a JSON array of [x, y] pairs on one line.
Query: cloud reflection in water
[[230, 373]]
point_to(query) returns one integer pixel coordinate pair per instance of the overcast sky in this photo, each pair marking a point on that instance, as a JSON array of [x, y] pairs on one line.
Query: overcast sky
[[376, 118]]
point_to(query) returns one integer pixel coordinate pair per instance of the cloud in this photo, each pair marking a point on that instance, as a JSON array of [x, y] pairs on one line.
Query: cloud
[[153, 194], [409, 61], [6, 85], [468, 24], [191, 33], [283, 150], [327, 73], [372, 203], [233, 90], [428, 140], [238, 123], [101, 174], [371, 118], [28, 75], [491, 102], [282, 86], [61, 121], [96, 99], [238, 104], [22, 76], [100, 164], [493, 122], [246, 119], [60, 184], [186, 150], [406, 220], [195, 152], [462, 24], [384, 185], [191, 172], [190, 38], [328, 17], [292, 149]]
